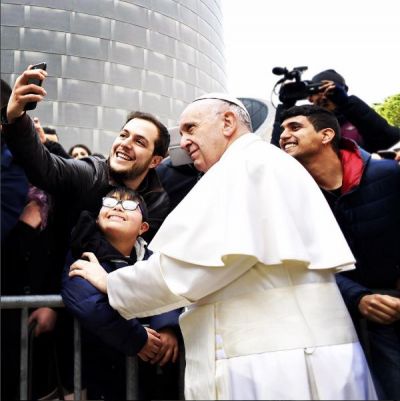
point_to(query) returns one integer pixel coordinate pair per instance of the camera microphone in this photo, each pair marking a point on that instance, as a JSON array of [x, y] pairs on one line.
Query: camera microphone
[[280, 71], [297, 89]]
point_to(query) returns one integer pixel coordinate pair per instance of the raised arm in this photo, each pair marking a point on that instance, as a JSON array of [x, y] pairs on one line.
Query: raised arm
[[44, 170], [24, 92]]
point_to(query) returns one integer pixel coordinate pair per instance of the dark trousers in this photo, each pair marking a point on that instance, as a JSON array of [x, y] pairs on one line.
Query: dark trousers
[[384, 347], [381, 345]]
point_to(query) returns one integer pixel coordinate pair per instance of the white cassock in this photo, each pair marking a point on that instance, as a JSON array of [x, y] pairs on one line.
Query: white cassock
[[251, 253]]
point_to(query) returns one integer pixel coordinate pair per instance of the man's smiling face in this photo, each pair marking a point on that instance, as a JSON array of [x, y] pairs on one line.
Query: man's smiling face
[[132, 151], [299, 137]]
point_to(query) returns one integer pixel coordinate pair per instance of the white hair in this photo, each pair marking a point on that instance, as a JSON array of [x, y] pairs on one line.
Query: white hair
[[235, 105]]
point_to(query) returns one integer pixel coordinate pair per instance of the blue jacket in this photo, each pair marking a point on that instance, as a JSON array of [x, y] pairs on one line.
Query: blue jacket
[[368, 212], [92, 308]]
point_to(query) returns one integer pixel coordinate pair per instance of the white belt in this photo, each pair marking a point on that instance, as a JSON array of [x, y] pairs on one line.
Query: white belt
[[307, 315]]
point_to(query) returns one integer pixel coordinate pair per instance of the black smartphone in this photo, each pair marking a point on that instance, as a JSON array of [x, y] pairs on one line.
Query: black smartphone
[[387, 154], [39, 66]]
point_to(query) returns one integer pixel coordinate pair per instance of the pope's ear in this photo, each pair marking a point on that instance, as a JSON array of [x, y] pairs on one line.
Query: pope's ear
[[327, 135], [230, 123]]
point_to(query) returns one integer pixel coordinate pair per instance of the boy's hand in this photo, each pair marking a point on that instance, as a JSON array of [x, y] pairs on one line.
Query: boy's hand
[[23, 93], [169, 348], [152, 346]]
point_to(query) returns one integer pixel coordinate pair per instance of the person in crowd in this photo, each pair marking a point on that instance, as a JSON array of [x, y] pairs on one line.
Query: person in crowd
[[48, 136], [358, 121], [80, 184], [113, 237], [14, 184], [364, 195], [50, 133], [14, 192], [177, 180], [30, 265], [78, 151], [251, 252]]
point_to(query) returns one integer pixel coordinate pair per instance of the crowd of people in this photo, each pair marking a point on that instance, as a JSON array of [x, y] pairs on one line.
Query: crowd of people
[[270, 267]]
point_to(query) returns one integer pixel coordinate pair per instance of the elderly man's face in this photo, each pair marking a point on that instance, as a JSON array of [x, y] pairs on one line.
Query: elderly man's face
[[201, 127]]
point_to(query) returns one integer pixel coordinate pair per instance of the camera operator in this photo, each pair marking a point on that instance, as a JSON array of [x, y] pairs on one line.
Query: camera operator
[[358, 121]]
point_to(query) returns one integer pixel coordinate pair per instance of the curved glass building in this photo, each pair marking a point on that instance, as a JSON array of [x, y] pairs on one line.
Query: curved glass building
[[108, 57]]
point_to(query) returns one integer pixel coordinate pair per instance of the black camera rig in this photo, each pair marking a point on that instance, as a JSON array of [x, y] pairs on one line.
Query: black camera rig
[[292, 91]]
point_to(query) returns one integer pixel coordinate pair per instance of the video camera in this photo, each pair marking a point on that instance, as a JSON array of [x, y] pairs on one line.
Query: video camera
[[297, 90]]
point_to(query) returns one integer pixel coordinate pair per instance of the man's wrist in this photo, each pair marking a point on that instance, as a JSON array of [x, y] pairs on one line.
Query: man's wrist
[[4, 118]]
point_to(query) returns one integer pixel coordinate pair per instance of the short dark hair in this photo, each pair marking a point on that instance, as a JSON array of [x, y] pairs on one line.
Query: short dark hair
[[50, 131], [130, 194], [79, 145], [319, 117], [162, 142]]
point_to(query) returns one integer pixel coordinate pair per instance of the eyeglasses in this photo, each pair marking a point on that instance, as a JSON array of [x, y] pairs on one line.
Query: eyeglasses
[[126, 204]]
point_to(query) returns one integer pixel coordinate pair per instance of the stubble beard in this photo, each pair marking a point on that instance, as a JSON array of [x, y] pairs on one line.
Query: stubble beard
[[129, 174]]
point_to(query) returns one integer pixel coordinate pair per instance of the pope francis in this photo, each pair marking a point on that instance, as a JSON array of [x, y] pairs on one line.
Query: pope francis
[[251, 253]]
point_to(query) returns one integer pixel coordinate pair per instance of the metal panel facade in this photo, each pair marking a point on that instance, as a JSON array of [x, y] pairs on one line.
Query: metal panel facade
[[108, 57]]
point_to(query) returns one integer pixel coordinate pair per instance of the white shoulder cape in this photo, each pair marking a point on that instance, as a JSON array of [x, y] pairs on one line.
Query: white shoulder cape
[[255, 201]]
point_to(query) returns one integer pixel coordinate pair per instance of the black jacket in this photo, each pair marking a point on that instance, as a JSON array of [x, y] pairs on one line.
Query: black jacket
[[177, 180], [77, 184], [376, 132]]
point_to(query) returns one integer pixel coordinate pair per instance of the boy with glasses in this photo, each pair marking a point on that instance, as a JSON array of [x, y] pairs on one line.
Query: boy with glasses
[[114, 239]]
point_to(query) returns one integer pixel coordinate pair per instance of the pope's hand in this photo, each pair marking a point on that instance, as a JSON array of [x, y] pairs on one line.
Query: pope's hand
[[91, 270]]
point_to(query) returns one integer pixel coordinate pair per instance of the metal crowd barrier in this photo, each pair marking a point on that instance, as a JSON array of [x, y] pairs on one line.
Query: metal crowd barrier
[[25, 302]]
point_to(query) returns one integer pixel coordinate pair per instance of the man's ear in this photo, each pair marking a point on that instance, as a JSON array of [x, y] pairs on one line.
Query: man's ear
[[144, 227], [327, 135], [230, 123], [155, 161]]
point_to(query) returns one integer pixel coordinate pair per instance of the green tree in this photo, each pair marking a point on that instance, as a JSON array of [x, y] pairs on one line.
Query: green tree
[[390, 109]]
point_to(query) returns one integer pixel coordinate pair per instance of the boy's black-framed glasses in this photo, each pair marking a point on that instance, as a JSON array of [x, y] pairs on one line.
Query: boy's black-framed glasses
[[127, 204]]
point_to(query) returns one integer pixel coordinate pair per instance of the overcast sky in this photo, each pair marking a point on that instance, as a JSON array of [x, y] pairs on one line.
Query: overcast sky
[[359, 39]]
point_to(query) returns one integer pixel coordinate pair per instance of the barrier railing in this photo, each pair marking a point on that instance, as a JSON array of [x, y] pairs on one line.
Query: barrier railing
[[25, 302]]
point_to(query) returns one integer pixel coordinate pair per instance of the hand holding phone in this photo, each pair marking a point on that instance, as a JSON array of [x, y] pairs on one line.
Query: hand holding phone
[[35, 81], [387, 154]]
